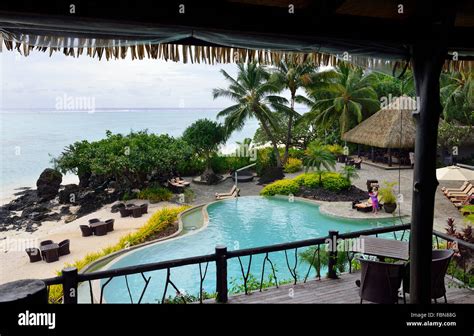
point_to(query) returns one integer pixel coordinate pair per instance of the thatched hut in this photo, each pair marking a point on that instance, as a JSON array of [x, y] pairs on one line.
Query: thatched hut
[[391, 127]]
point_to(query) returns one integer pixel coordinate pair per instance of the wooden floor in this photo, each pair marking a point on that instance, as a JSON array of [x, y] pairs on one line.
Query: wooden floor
[[342, 290]]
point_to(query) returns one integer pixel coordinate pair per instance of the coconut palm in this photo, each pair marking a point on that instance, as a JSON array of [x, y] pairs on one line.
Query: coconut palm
[[253, 96], [346, 99], [457, 96], [318, 158], [293, 76]]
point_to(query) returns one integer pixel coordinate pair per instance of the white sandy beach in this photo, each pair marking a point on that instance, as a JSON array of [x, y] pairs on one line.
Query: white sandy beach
[[15, 264]]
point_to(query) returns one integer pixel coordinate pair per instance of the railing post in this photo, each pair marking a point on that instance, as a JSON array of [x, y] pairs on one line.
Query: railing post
[[70, 285], [221, 273], [332, 255]]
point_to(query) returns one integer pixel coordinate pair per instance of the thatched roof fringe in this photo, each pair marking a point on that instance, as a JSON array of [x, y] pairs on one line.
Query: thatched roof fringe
[[195, 54]]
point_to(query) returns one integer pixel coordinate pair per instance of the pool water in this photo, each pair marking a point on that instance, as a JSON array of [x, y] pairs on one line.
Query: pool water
[[245, 222]]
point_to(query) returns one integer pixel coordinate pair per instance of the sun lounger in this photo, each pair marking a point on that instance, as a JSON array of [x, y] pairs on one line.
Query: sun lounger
[[456, 196], [468, 191], [182, 181], [463, 188], [234, 192], [228, 193]]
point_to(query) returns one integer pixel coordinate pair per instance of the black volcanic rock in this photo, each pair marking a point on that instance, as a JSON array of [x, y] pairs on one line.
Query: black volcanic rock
[[48, 184], [69, 194]]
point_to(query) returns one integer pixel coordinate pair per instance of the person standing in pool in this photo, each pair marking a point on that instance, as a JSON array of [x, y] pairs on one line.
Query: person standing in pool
[[373, 194]]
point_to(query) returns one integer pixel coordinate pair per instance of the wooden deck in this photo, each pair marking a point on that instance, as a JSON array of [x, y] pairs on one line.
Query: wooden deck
[[326, 290]]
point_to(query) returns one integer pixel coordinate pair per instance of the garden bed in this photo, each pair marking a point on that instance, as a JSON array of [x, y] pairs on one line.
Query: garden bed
[[321, 194]]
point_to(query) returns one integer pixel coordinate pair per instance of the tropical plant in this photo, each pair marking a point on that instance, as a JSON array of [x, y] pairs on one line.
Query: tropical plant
[[387, 85], [335, 182], [387, 194], [155, 194], [156, 224], [319, 158], [308, 256], [205, 136], [457, 96], [350, 172], [128, 159], [293, 165], [281, 187], [345, 99], [254, 97], [294, 76]]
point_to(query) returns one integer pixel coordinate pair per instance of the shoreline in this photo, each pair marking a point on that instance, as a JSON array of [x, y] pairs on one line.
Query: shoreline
[[10, 192]]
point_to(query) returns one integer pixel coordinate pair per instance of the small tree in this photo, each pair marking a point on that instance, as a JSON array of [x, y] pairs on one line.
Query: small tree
[[318, 158], [205, 136], [350, 172]]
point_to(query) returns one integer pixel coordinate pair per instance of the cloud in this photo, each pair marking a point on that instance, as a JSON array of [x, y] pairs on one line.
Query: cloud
[[37, 80]]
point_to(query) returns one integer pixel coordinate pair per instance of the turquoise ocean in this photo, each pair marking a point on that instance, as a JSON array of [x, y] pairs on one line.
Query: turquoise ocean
[[29, 138]]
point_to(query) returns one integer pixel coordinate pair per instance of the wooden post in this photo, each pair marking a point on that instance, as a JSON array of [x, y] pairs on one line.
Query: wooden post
[[389, 152], [70, 285], [221, 274], [428, 58], [332, 274]]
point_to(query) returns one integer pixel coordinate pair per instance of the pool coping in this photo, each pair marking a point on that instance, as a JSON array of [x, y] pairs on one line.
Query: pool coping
[[107, 259], [115, 257]]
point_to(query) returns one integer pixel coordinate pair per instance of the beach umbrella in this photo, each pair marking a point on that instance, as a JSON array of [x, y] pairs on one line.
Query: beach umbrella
[[454, 173]]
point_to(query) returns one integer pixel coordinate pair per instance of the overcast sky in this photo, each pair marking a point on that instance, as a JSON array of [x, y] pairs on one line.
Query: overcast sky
[[37, 80]]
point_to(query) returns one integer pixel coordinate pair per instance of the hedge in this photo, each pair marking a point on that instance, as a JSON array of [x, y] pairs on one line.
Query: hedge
[[159, 221]]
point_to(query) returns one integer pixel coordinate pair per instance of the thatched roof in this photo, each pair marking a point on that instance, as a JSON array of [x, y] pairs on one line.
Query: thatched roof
[[370, 33], [391, 127]]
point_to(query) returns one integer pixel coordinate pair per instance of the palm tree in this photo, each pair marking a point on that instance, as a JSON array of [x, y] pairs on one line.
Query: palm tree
[[346, 99], [252, 93], [293, 76], [318, 158], [350, 172], [457, 95]]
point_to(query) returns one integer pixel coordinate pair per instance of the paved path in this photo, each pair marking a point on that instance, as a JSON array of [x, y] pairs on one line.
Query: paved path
[[443, 207]]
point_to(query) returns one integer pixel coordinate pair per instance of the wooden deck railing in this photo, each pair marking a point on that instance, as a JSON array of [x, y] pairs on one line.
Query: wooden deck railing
[[70, 278]]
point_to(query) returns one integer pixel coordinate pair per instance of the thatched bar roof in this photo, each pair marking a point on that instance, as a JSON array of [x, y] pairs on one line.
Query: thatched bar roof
[[391, 127]]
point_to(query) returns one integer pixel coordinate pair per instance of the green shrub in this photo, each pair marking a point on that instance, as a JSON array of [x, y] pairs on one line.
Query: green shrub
[[191, 167], [281, 187], [386, 193], [189, 195], [155, 194], [309, 180], [335, 182], [335, 149], [296, 153], [293, 165], [265, 159], [159, 221], [224, 164]]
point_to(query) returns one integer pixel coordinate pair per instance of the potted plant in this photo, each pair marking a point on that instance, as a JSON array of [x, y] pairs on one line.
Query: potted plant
[[387, 196]]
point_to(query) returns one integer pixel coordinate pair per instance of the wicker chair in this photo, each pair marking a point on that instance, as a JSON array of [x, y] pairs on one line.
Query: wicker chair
[[64, 247], [46, 242], [110, 224], [34, 254], [86, 230], [439, 265], [101, 230], [124, 212], [144, 208], [380, 281], [51, 255], [94, 220], [137, 212]]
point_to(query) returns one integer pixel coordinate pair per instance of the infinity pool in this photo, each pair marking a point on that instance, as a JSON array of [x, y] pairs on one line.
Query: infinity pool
[[236, 223]]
